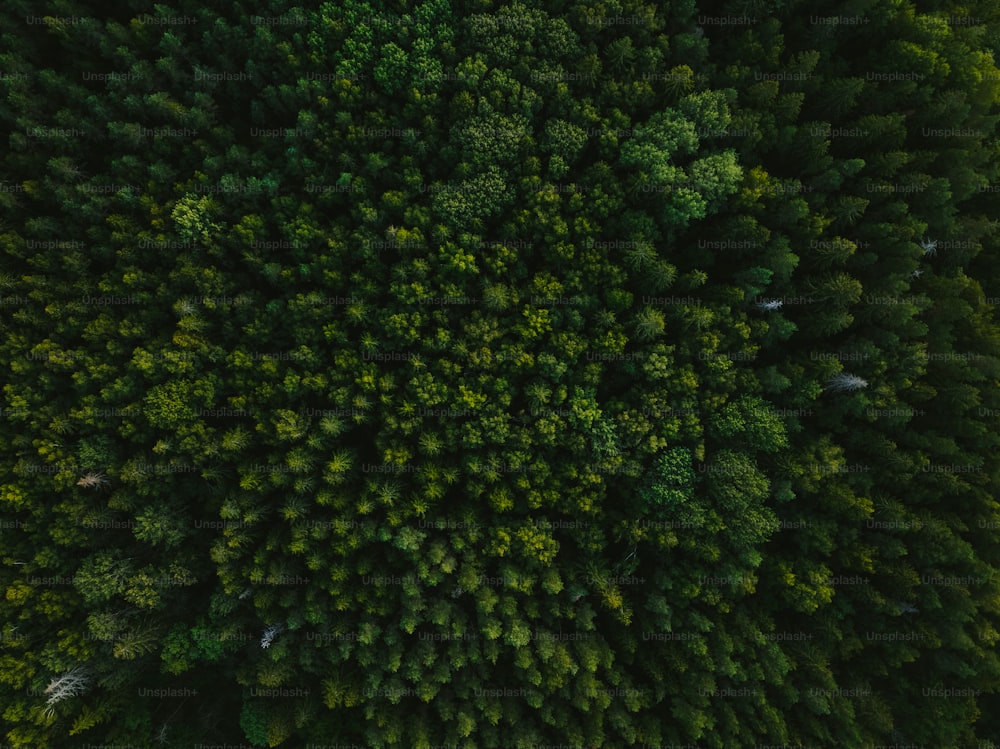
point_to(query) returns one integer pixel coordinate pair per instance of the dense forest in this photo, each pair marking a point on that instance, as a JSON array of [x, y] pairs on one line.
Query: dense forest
[[581, 373]]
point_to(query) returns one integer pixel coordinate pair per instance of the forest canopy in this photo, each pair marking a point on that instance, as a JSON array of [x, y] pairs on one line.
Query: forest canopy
[[416, 373]]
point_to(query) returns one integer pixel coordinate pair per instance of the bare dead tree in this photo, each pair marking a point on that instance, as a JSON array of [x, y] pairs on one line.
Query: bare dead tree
[[70, 684], [269, 635], [93, 480], [846, 383]]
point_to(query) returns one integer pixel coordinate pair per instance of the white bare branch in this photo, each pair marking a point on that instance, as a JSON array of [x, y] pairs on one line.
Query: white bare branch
[[269, 635], [93, 480], [770, 304], [846, 383], [70, 684]]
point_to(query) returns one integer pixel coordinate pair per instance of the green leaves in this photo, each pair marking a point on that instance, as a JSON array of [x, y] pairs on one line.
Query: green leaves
[[649, 324], [667, 135], [169, 404], [392, 69], [708, 110], [735, 482], [494, 140], [192, 218], [482, 390], [254, 722], [102, 576], [716, 177], [751, 423], [661, 147], [464, 204], [158, 525], [670, 484]]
